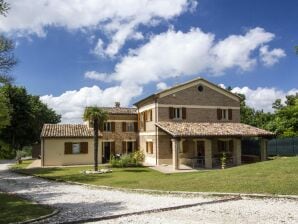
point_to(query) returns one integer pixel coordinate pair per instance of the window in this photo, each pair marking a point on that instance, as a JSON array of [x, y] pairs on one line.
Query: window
[[149, 115], [149, 147], [107, 126], [177, 112], [130, 126], [224, 114], [76, 148]]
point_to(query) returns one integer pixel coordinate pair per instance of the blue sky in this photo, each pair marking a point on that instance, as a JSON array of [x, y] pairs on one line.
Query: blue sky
[[95, 52]]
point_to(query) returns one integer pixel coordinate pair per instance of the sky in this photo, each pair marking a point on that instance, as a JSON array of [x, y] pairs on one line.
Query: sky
[[80, 53]]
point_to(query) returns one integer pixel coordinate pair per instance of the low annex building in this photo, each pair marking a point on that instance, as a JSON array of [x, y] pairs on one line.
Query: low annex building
[[192, 123]]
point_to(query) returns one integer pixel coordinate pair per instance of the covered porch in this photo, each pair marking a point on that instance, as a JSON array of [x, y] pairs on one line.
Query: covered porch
[[202, 145]]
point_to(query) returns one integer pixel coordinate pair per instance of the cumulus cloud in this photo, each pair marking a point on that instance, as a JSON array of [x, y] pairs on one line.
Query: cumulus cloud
[[71, 104], [118, 19], [175, 53], [270, 58], [161, 86], [97, 76], [262, 98]]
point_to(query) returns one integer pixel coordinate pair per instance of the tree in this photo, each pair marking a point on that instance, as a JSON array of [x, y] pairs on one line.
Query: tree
[[28, 114], [97, 117], [4, 112], [296, 49], [7, 59]]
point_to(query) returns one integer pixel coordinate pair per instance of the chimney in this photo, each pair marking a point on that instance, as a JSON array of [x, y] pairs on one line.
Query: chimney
[[117, 104]]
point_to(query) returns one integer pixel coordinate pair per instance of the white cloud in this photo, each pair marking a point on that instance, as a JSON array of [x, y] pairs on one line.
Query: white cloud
[[263, 97], [118, 19], [71, 104], [270, 58], [175, 53], [161, 86], [97, 76]]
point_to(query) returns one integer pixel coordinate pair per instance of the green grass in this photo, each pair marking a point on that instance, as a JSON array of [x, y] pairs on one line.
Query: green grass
[[278, 176], [23, 165], [15, 209]]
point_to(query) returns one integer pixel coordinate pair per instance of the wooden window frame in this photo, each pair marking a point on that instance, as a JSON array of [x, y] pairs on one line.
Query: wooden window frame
[[149, 147], [108, 126], [68, 148]]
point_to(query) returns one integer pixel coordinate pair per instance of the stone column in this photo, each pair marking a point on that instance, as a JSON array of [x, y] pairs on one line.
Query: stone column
[[237, 151], [176, 148], [263, 149], [208, 154]]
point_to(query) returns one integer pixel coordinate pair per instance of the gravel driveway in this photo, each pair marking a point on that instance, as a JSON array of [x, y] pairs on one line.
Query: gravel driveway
[[81, 202]]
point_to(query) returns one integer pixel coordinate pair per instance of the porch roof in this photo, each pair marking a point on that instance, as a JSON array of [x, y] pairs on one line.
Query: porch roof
[[66, 130], [198, 129]]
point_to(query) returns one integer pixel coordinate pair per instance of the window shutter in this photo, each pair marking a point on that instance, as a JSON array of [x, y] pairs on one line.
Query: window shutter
[[112, 148], [151, 115], [67, 148], [113, 126], [183, 113], [171, 112], [230, 114], [123, 147], [145, 115], [151, 147], [219, 114], [147, 147], [135, 126], [84, 147], [123, 126]]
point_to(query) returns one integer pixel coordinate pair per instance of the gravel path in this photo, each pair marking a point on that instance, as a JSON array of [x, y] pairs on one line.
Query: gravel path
[[81, 202]]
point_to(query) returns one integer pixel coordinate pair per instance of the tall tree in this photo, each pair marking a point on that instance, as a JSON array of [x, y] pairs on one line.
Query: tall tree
[[4, 112], [28, 114], [7, 59], [97, 117]]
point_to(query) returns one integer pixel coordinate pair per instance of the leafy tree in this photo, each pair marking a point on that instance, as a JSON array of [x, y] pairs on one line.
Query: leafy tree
[[97, 117], [28, 114], [296, 49], [7, 59], [285, 122], [4, 111]]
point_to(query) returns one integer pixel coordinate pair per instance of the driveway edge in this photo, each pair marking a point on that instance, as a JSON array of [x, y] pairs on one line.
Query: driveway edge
[[176, 193]]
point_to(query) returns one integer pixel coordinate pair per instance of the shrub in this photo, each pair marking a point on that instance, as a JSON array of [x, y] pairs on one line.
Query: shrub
[[6, 152], [129, 160]]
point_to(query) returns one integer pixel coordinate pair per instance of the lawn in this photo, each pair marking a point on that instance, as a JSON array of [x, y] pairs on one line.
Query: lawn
[[278, 176], [15, 209]]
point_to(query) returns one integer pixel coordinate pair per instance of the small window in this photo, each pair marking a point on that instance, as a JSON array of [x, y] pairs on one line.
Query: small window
[[130, 126], [177, 113], [76, 148], [224, 114], [149, 115], [107, 126], [200, 88], [149, 147]]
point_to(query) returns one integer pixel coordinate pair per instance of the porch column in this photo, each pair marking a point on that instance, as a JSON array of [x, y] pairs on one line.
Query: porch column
[[208, 154], [263, 149], [237, 151], [175, 149]]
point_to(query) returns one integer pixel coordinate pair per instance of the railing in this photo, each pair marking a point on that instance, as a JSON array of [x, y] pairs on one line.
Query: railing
[[199, 162]]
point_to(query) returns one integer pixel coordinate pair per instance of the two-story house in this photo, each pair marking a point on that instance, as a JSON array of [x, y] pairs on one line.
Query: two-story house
[[192, 123]]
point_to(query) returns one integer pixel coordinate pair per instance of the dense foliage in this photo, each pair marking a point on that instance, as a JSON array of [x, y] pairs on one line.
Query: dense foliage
[[130, 160], [27, 114], [283, 121]]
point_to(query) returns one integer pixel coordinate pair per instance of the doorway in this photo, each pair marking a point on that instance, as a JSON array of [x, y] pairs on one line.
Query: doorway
[[106, 152], [129, 147], [200, 149]]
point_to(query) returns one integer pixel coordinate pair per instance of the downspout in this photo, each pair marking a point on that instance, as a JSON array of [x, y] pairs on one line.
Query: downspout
[[156, 129]]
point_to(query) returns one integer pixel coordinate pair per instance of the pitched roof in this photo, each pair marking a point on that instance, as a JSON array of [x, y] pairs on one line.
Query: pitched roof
[[66, 130], [120, 110], [192, 129], [191, 82]]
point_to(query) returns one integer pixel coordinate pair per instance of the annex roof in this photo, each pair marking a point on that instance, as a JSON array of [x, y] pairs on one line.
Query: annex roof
[[196, 129], [66, 130], [120, 110]]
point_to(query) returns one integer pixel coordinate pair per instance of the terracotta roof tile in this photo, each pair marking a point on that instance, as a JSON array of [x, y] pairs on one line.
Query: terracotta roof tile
[[180, 129], [120, 110], [66, 130]]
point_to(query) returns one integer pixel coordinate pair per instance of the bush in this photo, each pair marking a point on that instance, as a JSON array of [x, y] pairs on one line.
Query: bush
[[6, 152], [130, 160]]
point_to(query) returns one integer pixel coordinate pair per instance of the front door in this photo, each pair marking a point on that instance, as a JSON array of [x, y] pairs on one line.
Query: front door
[[129, 147], [106, 152], [200, 149]]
